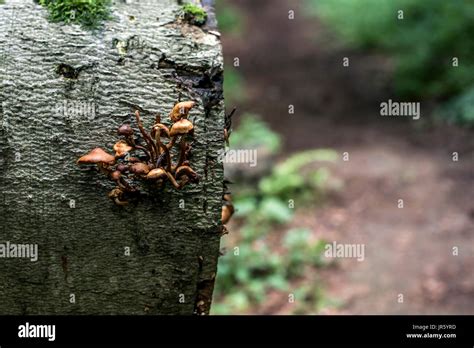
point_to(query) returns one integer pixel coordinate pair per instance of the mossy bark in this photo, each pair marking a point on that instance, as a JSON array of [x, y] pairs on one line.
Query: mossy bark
[[65, 90]]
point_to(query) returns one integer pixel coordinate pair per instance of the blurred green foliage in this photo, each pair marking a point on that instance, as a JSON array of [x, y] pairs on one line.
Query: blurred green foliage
[[254, 133], [260, 263], [288, 178], [231, 21], [459, 109], [422, 44], [234, 86], [229, 17], [88, 13]]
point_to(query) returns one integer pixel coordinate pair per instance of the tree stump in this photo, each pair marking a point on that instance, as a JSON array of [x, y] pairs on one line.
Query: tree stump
[[65, 90]]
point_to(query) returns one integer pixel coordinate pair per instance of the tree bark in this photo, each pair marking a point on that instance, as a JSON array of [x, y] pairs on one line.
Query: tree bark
[[65, 90]]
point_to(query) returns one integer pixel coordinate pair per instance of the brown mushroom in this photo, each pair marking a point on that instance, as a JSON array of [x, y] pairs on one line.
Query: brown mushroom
[[182, 127], [125, 130], [159, 130], [121, 148], [97, 156], [188, 172], [227, 212], [139, 169], [181, 110], [157, 174], [116, 175], [122, 167], [117, 195]]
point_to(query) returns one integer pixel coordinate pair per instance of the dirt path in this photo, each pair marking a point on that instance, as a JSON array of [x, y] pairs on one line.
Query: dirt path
[[409, 251]]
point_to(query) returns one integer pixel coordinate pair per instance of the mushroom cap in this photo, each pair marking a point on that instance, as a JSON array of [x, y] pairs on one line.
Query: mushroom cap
[[157, 173], [181, 110], [97, 156], [115, 175], [164, 131], [227, 212], [133, 159], [117, 195], [122, 167], [187, 171], [139, 168], [181, 127], [121, 148], [125, 129]]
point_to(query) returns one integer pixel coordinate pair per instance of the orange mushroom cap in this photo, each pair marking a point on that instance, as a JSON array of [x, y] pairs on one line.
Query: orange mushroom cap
[[181, 127], [97, 156], [227, 212], [164, 131], [139, 168], [157, 173], [121, 148], [181, 110]]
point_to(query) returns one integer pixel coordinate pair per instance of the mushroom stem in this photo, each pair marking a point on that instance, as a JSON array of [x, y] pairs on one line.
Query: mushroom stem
[[171, 142], [158, 141], [168, 158], [150, 143], [104, 169], [122, 183], [130, 140], [173, 180], [139, 147], [182, 153], [119, 202]]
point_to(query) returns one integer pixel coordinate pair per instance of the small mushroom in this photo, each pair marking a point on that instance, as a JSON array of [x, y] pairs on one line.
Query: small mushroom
[[121, 148], [182, 127], [157, 174], [122, 168], [188, 172], [97, 156], [117, 195], [116, 175], [161, 129], [227, 212], [125, 130], [139, 168], [181, 110], [133, 160]]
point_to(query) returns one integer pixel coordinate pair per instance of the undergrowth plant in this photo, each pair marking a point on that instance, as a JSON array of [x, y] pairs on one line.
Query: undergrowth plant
[[255, 263]]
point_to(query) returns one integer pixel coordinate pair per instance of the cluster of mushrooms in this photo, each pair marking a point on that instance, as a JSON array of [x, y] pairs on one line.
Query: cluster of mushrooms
[[154, 162]]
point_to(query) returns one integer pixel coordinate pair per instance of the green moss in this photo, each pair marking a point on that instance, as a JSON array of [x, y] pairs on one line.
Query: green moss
[[194, 14], [88, 13]]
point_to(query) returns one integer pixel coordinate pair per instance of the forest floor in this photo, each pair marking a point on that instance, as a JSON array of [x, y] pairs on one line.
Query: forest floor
[[408, 251]]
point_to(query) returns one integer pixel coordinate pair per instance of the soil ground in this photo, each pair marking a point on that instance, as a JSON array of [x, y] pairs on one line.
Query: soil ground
[[408, 251]]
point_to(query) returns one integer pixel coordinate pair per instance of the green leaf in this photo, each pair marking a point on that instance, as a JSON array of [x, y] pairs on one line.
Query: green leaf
[[275, 210]]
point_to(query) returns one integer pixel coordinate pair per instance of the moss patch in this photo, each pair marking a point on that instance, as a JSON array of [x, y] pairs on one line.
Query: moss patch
[[88, 13], [194, 14]]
